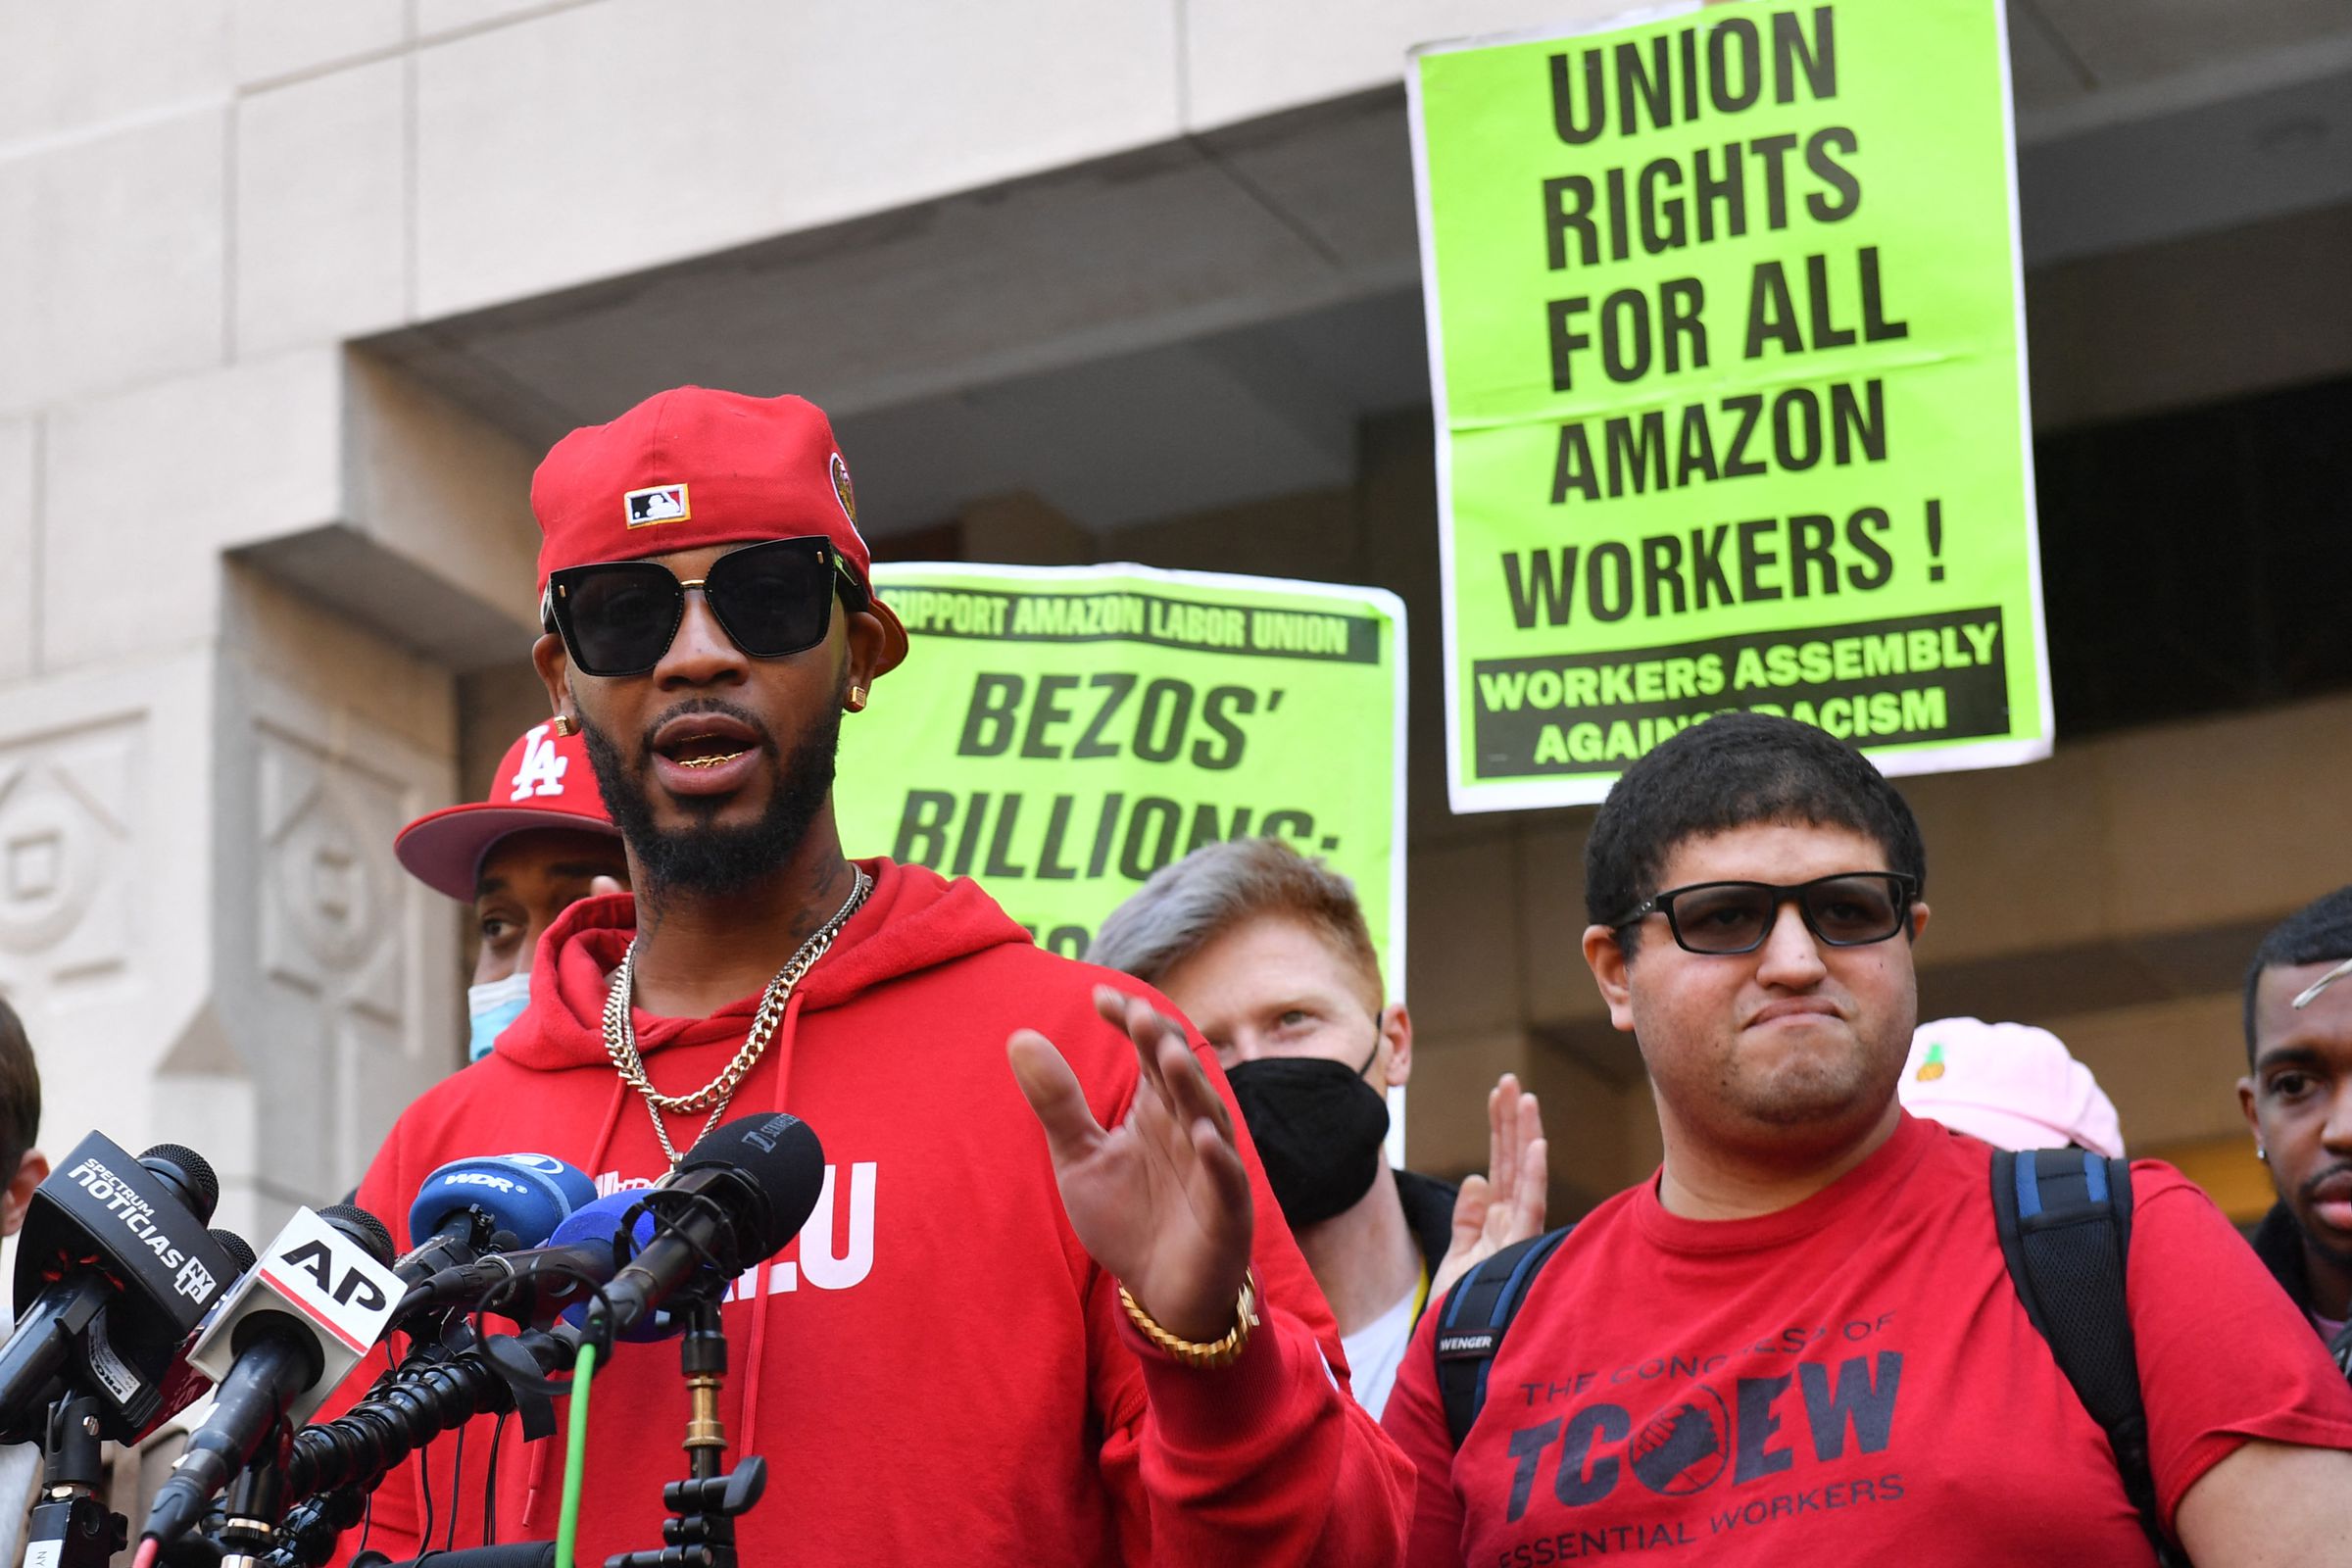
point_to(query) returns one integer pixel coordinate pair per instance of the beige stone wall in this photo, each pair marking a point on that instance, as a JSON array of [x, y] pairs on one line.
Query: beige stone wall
[[242, 597]]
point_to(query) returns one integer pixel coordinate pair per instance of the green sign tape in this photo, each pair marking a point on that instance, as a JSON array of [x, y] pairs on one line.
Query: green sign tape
[[1726, 337], [1060, 733]]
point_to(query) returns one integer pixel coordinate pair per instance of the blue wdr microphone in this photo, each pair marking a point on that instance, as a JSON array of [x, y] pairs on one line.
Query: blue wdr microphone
[[489, 1204]]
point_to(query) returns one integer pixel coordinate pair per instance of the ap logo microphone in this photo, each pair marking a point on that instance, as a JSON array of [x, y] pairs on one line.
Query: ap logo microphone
[[285, 1337], [322, 1278]]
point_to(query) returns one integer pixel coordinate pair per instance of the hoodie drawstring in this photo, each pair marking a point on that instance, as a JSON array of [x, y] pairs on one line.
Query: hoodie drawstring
[[611, 1127], [543, 1454], [786, 1034]]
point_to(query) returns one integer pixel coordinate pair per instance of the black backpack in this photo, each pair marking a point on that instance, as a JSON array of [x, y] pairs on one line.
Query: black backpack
[[2064, 1216]]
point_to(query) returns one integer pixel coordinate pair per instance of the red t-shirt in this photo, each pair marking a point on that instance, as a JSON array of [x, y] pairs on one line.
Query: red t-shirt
[[1850, 1377]]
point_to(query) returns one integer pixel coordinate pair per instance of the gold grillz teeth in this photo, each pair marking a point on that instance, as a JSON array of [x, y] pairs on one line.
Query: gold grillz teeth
[[708, 761]]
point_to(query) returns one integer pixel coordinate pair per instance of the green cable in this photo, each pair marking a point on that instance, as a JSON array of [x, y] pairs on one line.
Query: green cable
[[576, 1455]]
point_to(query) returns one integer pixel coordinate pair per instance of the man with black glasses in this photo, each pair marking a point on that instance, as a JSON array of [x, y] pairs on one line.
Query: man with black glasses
[[1045, 1309], [1800, 1341]]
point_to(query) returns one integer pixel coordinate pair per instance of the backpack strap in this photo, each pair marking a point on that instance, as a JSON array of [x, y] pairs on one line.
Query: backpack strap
[[2065, 1221], [1478, 1309]]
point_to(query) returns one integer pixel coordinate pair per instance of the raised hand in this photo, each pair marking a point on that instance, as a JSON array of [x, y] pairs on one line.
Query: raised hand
[[1161, 1201], [1507, 1204]]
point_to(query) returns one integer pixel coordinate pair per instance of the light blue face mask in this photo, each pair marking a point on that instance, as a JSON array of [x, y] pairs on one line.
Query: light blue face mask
[[492, 1007]]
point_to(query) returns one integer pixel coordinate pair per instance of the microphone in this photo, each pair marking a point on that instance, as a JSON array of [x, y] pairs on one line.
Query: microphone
[[335, 1464], [491, 1202], [533, 1284], [238, 1249], [741, 1193], [117, 1267], [602, 1222], [181, 1385], [323, 1293]]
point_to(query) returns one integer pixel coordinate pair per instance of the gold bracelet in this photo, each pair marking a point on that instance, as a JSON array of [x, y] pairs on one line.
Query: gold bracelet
[[1192, 1352]]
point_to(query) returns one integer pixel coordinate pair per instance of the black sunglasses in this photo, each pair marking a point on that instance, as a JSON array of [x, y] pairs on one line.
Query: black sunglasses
[[1850, 910], [772, 599]]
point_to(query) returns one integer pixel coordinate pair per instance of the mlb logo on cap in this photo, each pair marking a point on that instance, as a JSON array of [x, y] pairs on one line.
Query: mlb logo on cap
[[766, 467], [656, 503]]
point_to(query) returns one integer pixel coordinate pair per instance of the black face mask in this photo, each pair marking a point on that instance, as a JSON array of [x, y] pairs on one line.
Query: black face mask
[[1318, 1129]]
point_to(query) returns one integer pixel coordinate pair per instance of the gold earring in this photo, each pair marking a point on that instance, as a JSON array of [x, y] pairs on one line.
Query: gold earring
[[566, 726], [856, 702]]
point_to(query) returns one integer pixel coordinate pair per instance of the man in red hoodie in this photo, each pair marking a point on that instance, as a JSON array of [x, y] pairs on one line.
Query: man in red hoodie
[[1044, 1314]]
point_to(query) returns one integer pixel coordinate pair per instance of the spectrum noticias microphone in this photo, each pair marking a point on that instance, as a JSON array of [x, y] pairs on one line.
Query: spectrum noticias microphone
[[114, 1268]]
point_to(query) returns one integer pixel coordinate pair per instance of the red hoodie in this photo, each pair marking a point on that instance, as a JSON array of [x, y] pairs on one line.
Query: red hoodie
[[935, 1369]]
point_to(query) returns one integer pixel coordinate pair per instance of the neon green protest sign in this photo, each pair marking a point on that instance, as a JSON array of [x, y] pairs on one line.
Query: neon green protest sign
[[1726, 340], [1060, 733]]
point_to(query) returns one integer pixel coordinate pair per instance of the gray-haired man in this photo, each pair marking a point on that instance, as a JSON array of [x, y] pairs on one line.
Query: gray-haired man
[[1268, 952]]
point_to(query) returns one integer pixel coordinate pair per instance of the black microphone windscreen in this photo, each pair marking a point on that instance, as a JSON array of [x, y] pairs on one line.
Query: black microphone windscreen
[[190, 1172], [781, 1157], [361, 1227], [239, 1250]]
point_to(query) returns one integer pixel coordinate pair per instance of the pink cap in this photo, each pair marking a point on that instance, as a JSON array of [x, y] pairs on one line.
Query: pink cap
[[2010, 1084], [544, 781]]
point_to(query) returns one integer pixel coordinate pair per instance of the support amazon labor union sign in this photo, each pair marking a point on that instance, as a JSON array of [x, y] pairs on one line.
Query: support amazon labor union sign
[[1062, 732], [1727, 342]]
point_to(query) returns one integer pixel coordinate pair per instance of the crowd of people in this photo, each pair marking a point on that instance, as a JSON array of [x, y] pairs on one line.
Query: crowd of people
[[1126, 1275]]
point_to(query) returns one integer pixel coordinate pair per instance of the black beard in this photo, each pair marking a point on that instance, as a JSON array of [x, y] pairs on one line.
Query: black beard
[[705, 861]]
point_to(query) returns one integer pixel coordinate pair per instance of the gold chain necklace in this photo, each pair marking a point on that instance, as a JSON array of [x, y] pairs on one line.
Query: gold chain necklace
[[620, 1030]]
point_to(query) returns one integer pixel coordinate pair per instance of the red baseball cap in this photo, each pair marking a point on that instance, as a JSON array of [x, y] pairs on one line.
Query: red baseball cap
[[691, 467], [546, 781]]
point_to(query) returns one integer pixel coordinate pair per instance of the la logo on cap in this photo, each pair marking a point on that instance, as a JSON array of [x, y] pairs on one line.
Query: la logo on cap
[[543, 766], [656, 503]]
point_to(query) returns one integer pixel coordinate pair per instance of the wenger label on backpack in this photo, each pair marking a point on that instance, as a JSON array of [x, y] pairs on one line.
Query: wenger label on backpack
[[1061, 733], [1727, 349]]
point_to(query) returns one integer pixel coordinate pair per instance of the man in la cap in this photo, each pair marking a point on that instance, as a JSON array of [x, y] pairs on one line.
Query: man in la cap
[[542, 842], [1045, 1310]]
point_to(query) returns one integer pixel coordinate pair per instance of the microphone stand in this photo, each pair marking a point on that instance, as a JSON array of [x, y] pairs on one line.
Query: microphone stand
[[700, 1533], [71, 1525], [703, 1358], [253, 1505], [333, 1466]]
